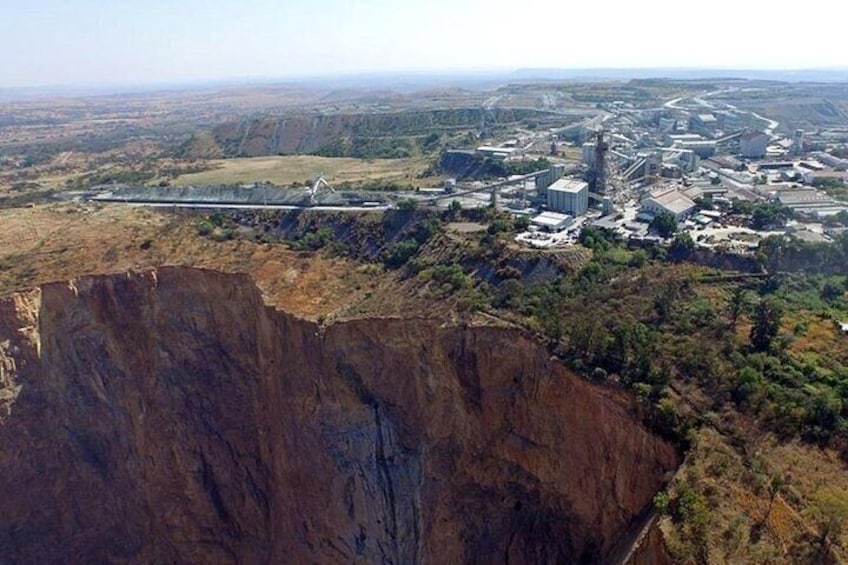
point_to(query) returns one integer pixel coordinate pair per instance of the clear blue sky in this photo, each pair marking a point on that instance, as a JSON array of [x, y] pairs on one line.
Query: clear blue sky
[[88, 42]]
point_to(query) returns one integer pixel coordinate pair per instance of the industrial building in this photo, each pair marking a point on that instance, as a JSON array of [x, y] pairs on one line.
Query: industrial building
[[703, 122], [675, 139], [686, 159], [669, 201], [552, 221], [570, 196], [703, 148], [830, 160], [496, 152], [808, 200], [811, 175], [753, 145], [552, 175]]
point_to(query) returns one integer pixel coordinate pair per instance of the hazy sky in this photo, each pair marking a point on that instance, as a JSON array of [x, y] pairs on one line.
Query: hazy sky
[[83, 42]]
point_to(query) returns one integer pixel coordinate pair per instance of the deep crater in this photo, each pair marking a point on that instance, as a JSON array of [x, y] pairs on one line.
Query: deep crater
[[171, 416]]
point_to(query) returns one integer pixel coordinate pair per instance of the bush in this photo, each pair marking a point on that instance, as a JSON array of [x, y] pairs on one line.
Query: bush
[[407, 204], [499, 225], [313, 241], [451, 277], [521, 223], [204, 228], [597, 239], [510, 294], [401, 253], [222, 234], [661, 502]]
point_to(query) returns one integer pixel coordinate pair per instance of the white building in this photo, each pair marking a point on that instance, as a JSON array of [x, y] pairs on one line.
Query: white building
[[552, 221], [753, 145], [570, 196], [677, 139], [669, 201], [496, 152]]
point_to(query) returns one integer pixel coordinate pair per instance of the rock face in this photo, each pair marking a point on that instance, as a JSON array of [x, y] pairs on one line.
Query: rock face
[[171, 416]]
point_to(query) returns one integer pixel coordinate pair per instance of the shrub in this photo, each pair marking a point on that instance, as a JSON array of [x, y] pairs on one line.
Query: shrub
[[204, 228], [401, 253], [407, 204]]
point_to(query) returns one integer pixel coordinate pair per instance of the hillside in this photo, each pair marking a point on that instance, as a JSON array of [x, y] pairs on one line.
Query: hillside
[[384, 135]]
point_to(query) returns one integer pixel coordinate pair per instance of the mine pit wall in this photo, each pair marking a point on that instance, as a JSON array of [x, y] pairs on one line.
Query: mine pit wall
[[172, 416]]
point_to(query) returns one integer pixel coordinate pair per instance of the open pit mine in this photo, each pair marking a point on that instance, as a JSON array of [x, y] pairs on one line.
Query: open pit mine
[[172, 416]]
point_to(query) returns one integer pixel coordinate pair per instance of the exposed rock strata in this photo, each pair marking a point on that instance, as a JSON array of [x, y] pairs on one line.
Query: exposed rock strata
[[172, 416]]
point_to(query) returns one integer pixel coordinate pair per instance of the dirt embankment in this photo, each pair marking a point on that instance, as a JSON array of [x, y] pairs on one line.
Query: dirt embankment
[[172, 416], [328, 134]]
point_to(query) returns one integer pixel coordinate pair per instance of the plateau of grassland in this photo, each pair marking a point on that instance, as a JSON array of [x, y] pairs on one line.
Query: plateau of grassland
[[287, 170]]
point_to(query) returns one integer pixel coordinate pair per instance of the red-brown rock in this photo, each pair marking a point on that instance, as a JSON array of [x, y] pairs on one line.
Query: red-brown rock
[[171, 416]]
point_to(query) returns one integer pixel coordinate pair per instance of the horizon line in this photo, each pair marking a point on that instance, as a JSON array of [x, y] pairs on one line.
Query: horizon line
[[472, 74]]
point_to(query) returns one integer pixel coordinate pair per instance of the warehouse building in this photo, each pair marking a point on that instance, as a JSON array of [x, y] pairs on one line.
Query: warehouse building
[[669, 201], [552, 221]]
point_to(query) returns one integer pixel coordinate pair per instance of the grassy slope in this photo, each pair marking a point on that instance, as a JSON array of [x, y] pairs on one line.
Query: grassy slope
[[62, 242]]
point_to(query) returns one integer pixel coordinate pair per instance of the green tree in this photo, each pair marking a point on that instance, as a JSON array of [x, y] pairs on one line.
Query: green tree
[[510, 294], [682, 246], [401, 253], [631, 351], [769, 215], [499, 225], [407, 204], [705, 203], [521, 223], [749, 389], [767, 317], [597, 239], [832, 291], [664, 301], [661, 502], [665, 224], [451, 277], [736, 305]]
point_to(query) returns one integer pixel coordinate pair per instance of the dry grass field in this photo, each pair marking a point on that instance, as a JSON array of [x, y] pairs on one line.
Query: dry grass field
[[61, 242], [298, 169]]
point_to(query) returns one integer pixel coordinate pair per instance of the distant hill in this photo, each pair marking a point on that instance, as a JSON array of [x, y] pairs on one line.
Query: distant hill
[[802, 75], [387, 135]]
